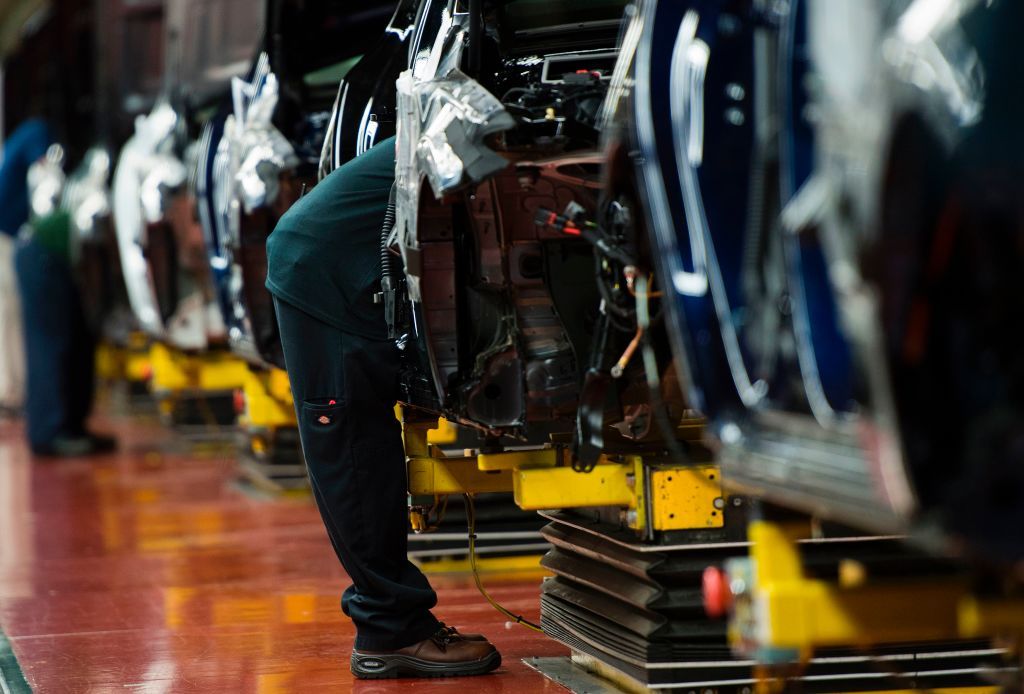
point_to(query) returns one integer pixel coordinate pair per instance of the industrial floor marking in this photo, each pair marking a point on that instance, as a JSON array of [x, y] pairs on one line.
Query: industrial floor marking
[[12, 679]]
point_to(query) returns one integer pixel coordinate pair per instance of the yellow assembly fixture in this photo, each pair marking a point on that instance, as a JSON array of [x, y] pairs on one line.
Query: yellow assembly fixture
[[661, 496], [268, 400], [437, 477], [124, 362], [175, 371], [445, 433], [500, 567], [686, 498], [110, 362], [780, 614], [518, 460], [563, 487], [266, 415]]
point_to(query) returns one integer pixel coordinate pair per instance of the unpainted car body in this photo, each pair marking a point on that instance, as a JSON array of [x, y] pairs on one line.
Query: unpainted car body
[[264, 146], [160, 240]]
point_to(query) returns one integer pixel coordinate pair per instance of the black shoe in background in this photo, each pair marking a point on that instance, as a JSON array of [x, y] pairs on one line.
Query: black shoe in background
[[76, 446], [102, 443]]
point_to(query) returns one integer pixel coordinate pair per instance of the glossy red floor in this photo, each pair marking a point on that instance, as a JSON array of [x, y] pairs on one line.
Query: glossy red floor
[[147, 571]]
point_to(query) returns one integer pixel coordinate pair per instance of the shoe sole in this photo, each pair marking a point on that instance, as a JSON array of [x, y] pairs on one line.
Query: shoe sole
[[380, 667]]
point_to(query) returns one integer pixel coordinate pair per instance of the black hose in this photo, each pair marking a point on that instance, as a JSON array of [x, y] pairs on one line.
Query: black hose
[[387, 268], [755, 224]]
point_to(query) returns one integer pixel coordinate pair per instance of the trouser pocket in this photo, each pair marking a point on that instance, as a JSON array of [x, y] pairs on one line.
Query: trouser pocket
[[321, 426]]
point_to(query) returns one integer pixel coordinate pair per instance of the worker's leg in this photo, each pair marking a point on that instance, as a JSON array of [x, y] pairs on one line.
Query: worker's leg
[[46, 293], [345, 389], [81, 385], [12, 348]]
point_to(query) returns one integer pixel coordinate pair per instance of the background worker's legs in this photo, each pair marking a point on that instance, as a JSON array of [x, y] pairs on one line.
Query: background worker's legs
[[12, 348], [356, 462], [58, 347], [81, 383]]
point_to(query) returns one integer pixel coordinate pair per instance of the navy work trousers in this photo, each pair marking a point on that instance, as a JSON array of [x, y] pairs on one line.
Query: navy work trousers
[[345, 387], [59, 347]]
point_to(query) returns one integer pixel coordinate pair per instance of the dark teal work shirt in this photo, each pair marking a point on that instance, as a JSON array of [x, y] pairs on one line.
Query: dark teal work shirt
[[27, 143], [324, 255]]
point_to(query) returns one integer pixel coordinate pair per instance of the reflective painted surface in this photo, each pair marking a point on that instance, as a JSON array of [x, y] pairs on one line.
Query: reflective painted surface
[[147, 571]]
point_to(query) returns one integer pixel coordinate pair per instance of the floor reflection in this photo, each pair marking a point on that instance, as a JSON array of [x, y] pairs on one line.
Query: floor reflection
[[147, 571]]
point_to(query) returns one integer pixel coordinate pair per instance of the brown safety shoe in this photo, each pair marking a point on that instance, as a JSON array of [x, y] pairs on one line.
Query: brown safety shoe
[[445, 654], [468, 637]]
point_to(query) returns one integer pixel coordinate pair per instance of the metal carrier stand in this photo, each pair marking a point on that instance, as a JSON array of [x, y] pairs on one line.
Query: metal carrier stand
[[634, 615], [822, 609]]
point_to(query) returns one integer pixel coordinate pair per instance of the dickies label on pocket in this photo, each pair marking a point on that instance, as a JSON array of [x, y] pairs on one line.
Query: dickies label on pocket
[[323, 431], [322, 413]]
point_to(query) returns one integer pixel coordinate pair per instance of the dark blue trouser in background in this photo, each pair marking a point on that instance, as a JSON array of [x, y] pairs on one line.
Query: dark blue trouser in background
[[59, 347], [356, 463]]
